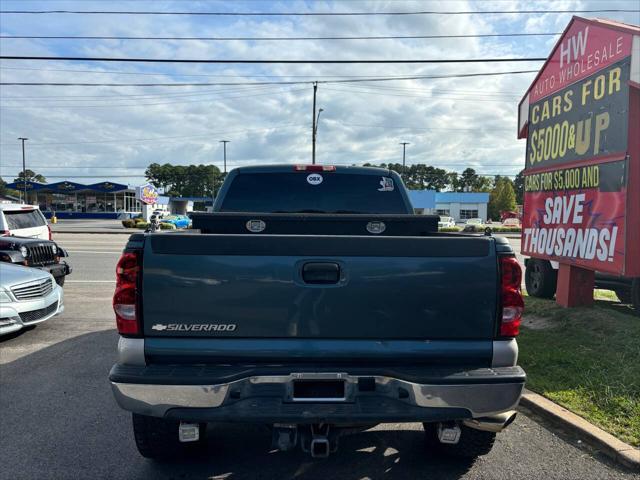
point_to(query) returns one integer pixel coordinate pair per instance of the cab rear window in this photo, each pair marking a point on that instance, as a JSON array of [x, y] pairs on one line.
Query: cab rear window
[[304, 192], [17, 219]]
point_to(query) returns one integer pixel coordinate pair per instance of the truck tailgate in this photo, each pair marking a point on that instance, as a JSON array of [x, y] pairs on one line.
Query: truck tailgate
[[286, 286]]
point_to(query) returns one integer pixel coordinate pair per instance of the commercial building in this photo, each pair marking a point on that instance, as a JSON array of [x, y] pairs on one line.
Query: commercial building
[[459, 205], [69, 199]]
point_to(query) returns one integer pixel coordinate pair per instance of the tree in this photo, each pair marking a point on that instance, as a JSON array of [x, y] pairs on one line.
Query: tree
[[30, 176], [502, 198], [518, 185], [185, 180], [470, 181], [7, 191], [419, 176]]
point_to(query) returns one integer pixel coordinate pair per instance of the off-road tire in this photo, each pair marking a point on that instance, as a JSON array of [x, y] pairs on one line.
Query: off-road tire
[[60, 280], [157, 438], [472, 444], [540, 278]]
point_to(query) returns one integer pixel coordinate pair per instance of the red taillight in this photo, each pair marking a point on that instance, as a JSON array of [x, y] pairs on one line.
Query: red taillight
[[314, 168], [4, 233], [49, 228], [125, 298], [512, 302]]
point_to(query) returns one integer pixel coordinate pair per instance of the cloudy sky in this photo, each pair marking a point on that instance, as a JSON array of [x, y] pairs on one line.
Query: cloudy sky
[[90, 134]]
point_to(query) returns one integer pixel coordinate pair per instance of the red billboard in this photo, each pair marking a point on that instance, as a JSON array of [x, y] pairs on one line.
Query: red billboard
[[581, 172], [584, 224]]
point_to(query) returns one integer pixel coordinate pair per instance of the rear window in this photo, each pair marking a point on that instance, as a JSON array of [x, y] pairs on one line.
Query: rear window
[[311, 192], [17, 219]]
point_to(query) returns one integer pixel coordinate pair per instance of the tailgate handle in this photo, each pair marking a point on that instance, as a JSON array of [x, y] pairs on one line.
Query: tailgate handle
[[321, 273]]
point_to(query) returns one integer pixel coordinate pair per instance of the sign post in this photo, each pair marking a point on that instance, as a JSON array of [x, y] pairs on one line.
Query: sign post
[[582, 166]]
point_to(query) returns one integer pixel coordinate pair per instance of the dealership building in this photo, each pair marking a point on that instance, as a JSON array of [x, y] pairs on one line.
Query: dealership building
[[459, 205], [69, 199]]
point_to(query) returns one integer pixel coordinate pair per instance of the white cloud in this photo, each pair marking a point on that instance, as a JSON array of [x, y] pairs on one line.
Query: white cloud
[[453, 123]]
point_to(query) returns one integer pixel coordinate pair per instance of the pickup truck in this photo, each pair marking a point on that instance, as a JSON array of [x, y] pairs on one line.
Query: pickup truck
[[314, 301]]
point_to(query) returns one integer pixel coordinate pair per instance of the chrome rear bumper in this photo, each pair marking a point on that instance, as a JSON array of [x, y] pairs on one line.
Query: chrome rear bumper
[[274, 393]]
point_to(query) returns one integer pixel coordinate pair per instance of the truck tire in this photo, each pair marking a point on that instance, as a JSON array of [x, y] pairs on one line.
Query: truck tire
[[157, 438], [624, 295], [60, 280], [540, 278], [635, 295], [472, 444]]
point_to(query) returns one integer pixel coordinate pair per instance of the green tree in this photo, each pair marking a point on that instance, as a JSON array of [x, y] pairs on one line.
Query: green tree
[[470, 181], [518, 186], [7, 191], [502, 198], [30, 176], [185, 180], [419, 176]]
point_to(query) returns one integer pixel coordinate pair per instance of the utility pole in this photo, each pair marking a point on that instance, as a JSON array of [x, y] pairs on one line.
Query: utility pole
[[224, 144], [313, 127], [24, 170], [404, 151]]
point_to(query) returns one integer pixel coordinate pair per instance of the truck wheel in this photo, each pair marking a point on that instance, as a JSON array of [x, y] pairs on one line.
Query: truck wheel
[[624, 295], [472, 444], [60, 280], [157, 438], [635, 295], [540, 278]]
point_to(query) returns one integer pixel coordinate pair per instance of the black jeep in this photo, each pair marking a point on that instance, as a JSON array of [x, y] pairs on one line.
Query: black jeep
[[37, 253]]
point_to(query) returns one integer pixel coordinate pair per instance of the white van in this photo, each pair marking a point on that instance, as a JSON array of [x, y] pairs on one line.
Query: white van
[[23, 221]]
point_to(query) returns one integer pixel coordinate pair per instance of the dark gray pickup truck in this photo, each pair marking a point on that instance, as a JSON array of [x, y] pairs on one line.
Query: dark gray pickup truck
[[313, 301]]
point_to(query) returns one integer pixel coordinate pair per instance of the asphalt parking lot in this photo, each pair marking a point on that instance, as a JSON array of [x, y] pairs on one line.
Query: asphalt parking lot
[[58, 418]]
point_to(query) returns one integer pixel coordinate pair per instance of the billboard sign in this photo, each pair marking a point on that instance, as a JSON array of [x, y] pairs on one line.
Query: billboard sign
[[584, 120], [576, 121], [577, 215]]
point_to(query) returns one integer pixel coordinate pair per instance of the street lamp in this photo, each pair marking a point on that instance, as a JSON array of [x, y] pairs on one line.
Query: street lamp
[[404, 150], [315, 135], [224, 144], [24, 170]]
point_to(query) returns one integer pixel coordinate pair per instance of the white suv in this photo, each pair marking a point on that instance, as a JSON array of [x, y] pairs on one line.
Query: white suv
[[23, 221]]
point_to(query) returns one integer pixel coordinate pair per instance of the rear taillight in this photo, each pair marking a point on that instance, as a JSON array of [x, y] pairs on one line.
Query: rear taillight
[[49, 229], [125, 298], [314, 168], [4, 233], [512, 302]]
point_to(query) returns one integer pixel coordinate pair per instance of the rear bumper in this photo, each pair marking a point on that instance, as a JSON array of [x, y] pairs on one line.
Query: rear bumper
[[368, 397]]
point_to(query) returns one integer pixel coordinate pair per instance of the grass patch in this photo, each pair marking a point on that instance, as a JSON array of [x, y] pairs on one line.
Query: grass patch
[[587, 360]]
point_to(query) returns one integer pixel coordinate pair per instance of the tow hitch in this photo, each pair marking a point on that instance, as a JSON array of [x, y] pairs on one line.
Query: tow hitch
[[317, 439]]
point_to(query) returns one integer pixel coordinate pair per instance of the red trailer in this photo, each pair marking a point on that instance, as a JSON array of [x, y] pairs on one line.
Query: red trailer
[[581, 119]]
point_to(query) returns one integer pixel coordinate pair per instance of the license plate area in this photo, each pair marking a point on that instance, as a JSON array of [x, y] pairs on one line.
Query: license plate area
[[325, 390], [309, 387]]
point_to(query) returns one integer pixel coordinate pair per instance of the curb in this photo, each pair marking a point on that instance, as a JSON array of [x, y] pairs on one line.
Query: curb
[[609, 445]]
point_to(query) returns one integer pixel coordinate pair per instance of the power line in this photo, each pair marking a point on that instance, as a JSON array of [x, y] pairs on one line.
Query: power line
[[293, 82], [113, 105], [175, 74], [275, 39], [160, 139], [309, 14], [247, 61]]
